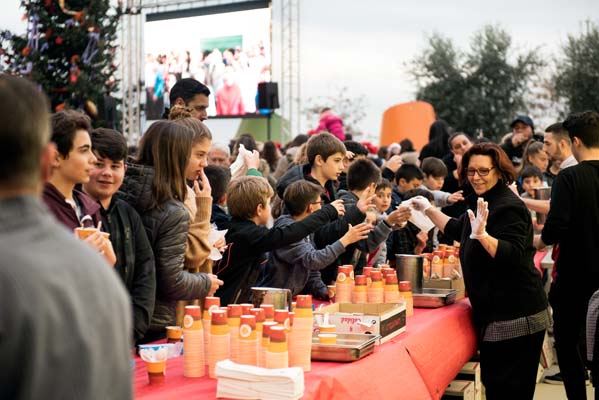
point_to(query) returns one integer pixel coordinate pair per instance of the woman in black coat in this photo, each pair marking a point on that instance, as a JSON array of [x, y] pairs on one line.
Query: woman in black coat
[[507, 297]]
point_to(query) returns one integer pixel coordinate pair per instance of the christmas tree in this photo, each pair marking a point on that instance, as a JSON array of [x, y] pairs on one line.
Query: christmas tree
[[68, 50]]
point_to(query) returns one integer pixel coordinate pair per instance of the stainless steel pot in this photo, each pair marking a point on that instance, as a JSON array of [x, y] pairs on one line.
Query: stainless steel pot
[[410, 268]]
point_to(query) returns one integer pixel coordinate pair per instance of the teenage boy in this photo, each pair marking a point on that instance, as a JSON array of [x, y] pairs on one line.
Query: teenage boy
[[362, 178], [572, 222], [71, 166], [134, 256], [65, 318], [297, 266], [325, 164], [219, 178], [248, 199], [435, 171]]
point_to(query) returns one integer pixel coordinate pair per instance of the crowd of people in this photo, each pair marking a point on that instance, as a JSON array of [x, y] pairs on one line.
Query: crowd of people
[[232, 74], [292, 215]]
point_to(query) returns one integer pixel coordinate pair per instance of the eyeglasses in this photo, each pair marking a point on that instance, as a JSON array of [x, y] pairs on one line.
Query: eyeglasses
[[480, 171]]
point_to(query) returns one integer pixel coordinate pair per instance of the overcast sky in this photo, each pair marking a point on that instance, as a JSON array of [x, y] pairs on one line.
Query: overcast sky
[[364, 45]]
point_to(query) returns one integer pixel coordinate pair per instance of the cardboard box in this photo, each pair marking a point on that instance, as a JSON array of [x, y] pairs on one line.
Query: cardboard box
[[459, 390], [446, 283], [471, 372], [386, 320]]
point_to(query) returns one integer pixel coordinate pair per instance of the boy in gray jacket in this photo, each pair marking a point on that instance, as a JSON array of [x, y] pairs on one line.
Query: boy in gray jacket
[[297, 266]]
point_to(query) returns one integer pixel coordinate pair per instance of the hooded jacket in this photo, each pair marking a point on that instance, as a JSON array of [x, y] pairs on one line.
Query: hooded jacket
[[65, 213], [167, 227], [292, 266], [331, 123]]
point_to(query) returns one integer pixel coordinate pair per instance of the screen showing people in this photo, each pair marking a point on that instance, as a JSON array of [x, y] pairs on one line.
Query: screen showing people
[[229, 53]]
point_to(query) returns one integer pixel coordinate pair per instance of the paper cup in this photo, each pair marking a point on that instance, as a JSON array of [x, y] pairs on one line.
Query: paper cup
[[173, 334], [156, 372], [327, 338]]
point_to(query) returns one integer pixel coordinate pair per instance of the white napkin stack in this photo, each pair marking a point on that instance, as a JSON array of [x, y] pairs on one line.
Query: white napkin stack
[[236, 381]]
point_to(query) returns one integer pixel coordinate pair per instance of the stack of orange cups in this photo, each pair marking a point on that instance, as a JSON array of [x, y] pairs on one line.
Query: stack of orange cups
[[391, 289], [449, 261], [210, 304], [248, 341], [376, 290], [359, 294], [282, 319], [219, 340], [366, 272], [277, 355], [264, 343], [259, 314], [405, 289], [269, 312], [234, 320], [245, 308], [344, 284], [300, 337], [437, 265], [193, 343]]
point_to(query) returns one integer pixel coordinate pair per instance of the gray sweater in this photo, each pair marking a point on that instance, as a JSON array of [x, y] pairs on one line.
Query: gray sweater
[[65, 316], [297, 265]]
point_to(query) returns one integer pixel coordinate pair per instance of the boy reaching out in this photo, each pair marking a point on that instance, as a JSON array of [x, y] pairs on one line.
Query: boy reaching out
[[248, 198], [297, 266]]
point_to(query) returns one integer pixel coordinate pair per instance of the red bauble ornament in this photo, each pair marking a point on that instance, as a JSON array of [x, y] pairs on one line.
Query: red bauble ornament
[[26, 50], [58, 40]]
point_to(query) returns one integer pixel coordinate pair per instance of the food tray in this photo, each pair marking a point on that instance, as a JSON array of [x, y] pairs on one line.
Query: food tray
[[434, 298], [349, 347]]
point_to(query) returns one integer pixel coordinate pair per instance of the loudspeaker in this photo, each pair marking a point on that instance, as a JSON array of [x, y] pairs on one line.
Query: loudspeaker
[[268, 95]]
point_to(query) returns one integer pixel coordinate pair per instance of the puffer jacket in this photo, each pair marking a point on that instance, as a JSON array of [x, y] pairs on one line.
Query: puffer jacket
[[167, 229]]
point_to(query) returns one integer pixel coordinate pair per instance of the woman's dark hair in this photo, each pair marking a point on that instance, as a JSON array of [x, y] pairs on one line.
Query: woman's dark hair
[[271, 154], [438, 135], [248, 142], [406, 146], [297, 141], [500, 160]]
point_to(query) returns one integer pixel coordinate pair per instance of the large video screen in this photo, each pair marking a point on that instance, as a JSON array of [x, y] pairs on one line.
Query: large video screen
[[229, 52]]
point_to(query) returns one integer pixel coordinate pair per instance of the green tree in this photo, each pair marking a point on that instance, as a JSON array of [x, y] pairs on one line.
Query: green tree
[[68, 50], [577, 76], [478, 89]]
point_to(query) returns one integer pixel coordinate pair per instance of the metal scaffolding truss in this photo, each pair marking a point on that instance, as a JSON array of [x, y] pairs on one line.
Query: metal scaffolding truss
[[290, 67], [285, 42]]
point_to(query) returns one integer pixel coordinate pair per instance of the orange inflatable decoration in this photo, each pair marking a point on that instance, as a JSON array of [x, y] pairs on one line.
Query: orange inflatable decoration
[[407, 121]]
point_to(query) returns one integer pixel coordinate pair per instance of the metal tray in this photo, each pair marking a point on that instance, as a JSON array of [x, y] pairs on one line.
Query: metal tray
[[349, 347], [434, 298]]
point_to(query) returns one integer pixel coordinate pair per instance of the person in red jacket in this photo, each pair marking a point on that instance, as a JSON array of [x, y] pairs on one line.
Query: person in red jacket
[[330, 122]]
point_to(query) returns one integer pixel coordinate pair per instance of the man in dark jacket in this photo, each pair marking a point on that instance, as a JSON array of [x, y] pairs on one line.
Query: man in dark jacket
[[572, 223], [135, 259]]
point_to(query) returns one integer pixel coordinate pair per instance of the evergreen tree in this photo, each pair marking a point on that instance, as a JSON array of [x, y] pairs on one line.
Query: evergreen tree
[[68, 50], [577, 77], [478, 89]]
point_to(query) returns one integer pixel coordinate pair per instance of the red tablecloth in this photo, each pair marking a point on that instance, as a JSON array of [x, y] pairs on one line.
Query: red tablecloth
[[418, 364]]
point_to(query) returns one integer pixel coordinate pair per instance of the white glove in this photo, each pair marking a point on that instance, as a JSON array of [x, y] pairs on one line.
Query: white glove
[[479, 223], [420, 203]]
